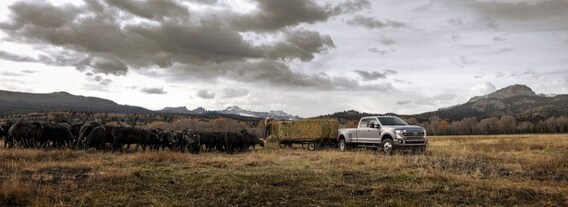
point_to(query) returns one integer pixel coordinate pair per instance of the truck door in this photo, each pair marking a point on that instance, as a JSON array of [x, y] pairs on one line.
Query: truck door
[[366, 133]]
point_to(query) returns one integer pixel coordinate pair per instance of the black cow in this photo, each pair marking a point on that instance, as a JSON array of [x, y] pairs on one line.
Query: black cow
[[187, 140], [58, 135], [251, 140], [4, 131], [100, 136], [24, 133], [165, 139], [85, 131], [208, 140], [132, 135], [75, 129]]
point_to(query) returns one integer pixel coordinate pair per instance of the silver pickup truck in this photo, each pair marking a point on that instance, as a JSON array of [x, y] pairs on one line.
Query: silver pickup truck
[[388, 133]]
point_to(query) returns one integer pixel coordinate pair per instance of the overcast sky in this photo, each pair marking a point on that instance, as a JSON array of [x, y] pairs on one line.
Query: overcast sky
[[304, 57]]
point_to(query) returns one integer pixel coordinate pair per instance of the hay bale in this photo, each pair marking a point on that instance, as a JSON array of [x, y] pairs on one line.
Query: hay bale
[[305, 130]]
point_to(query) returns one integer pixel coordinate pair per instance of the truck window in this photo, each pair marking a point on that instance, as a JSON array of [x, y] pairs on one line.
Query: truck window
[[390, 121], [364, 123], [373, 122]]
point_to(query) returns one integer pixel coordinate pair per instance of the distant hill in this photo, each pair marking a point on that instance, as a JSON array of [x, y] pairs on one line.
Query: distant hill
[[516, 100], [17, 102]]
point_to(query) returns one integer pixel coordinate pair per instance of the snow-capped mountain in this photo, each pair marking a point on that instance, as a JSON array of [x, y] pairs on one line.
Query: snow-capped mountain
[[272, 114], [235, 110]]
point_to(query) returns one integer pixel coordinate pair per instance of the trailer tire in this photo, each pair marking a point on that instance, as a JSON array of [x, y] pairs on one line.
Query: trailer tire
[[312, 146]]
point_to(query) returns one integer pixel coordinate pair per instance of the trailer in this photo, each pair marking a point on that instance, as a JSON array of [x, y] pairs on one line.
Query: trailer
[[315, 133]]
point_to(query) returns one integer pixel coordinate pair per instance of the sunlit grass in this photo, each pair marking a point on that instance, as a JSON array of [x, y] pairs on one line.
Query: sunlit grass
[[500, 170]]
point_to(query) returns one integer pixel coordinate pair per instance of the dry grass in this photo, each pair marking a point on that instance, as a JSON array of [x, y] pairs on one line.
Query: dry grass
[[511, 170]]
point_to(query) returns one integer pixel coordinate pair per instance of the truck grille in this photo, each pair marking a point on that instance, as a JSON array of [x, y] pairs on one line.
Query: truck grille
[[413, 134]]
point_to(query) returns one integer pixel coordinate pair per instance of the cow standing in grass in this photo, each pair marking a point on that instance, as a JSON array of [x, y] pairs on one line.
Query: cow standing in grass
[[4, 132], [187, 140], [100, 136], [85, 131], [131, 135], [55, 135], [24, 134]]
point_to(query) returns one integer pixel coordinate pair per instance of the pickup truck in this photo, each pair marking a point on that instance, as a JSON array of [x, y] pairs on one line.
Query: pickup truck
[[387, 133]]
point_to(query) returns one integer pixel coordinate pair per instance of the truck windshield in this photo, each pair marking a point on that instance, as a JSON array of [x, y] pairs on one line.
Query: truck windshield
[[391, 121]]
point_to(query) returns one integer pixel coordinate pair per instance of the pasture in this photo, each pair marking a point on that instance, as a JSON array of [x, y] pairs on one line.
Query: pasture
[[505, 170]]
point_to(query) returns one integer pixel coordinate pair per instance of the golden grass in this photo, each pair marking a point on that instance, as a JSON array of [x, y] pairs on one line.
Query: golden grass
[[509, 170]]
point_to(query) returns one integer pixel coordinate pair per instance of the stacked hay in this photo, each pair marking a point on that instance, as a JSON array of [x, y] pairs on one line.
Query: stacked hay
[[305, 130]]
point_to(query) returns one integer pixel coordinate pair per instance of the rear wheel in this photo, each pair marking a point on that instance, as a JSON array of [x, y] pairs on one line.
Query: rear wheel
[[387, 147], [342, 145]]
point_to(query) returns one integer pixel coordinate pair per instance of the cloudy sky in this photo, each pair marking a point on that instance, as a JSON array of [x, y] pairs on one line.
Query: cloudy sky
[[306, 57]]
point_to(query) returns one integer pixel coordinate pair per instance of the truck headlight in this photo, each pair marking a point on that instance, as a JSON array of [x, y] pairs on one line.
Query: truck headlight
[[398, 134]]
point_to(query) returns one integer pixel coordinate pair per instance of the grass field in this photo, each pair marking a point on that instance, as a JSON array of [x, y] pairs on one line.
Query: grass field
[[525, 170]]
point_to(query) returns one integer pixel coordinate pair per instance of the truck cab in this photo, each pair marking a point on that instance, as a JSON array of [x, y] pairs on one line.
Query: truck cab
[[388, 133]]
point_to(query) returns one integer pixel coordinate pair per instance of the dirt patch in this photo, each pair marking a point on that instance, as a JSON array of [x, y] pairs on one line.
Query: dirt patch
[[56, 176]]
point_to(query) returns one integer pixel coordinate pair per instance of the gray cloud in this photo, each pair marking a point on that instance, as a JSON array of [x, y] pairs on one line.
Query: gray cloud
[[205, 94], [301, 44], [102, 39], [386, 41], [102, 81], [234, 92], [151, 9], [372, 23], [375, 50], [275, 15], [373, 75], [153, 90], [523, 10], [352, 6], [11, 74], [14, 57], [401, 103]]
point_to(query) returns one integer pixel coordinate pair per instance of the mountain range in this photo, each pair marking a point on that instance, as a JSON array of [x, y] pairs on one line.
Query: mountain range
[[517, 100], [231, 110]]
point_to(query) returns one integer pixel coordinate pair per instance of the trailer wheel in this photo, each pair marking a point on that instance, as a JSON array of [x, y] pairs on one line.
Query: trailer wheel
[[312, 146], [342, 145]]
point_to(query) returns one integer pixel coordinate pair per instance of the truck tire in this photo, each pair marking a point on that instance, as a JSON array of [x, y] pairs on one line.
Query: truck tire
[[342, 145], [387, 146]]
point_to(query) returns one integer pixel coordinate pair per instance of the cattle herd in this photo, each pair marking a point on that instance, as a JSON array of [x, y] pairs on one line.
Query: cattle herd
[[98, 135]]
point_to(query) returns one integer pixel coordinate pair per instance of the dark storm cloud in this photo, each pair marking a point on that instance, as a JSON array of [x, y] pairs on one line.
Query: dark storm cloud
[[153, 90], [373, 75], [205, 94], [372, 23], [151, 9], [98, 37], [274, 15], [301, 44], [40, 14]]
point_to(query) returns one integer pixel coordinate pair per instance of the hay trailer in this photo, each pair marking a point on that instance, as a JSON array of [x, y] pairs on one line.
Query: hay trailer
[[315, 133]]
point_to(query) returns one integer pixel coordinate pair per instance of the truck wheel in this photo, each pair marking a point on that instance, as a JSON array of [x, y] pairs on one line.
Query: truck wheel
[[387, 147], [342, 145], [312, 146]]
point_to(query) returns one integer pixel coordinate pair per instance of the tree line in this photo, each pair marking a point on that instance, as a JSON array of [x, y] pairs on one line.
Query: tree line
[[506, 124]]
